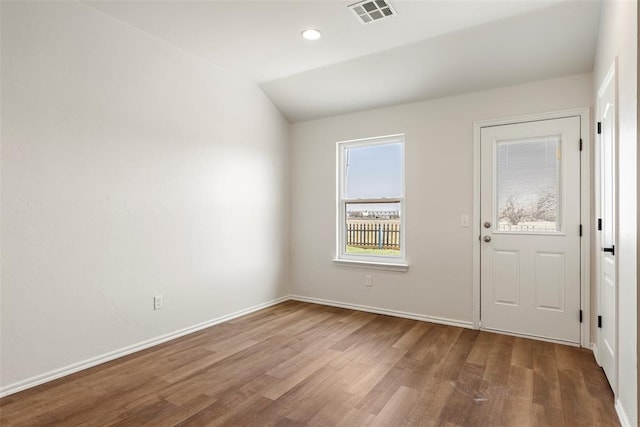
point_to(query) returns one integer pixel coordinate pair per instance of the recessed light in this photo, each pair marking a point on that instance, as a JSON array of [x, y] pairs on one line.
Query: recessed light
[[311, 34]]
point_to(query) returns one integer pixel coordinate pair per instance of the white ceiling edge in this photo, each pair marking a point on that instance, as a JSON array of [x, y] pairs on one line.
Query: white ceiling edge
[[557, 41]]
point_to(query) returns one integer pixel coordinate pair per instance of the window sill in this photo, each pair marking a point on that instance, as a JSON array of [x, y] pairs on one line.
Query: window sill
[[370, 264]]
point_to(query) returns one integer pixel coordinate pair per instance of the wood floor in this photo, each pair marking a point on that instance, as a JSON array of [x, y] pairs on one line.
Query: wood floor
[[302, 364]]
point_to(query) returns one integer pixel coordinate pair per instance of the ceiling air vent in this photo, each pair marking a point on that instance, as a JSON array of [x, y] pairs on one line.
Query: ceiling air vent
[[369, 11]]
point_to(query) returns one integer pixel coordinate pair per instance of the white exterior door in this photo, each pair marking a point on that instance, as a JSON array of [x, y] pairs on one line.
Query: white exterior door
[[530, 229], [605, 240]]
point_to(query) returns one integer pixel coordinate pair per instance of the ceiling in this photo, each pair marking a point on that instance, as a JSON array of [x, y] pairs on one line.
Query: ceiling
[[432, 48]]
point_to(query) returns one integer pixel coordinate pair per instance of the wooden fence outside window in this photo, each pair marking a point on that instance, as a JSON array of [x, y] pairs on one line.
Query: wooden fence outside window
[[373, 235]]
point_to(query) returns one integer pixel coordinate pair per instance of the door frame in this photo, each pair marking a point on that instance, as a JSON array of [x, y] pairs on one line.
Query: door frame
[[585, 209]]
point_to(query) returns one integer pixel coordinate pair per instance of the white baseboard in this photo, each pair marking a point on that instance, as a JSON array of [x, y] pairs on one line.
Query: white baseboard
[[94, 361], [622, 415], [377, 310], [596, 354]]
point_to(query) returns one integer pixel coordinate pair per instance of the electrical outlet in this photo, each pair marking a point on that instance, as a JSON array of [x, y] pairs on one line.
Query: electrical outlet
[[368, 281], [157, 302]]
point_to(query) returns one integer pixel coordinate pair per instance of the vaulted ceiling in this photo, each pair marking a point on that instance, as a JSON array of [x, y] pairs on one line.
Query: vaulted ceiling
[[431, 48]]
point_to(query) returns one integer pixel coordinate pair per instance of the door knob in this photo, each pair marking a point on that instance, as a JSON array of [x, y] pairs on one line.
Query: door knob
[[487, 239], [487, 224]]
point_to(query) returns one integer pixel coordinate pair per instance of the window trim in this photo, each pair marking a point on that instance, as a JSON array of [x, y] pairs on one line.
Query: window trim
[[357, 260]]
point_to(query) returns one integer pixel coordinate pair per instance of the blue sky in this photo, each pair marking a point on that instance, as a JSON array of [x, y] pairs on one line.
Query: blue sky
[[374, 171]]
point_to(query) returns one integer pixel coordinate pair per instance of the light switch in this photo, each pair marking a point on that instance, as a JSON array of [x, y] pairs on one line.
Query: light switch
[[464, 220]]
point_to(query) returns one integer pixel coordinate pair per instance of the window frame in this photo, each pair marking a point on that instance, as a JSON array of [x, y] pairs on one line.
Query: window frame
[[377, 261]]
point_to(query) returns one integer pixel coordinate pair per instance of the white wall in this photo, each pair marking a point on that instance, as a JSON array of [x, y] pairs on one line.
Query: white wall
[[129, 169], [618, 38], [439, 188]]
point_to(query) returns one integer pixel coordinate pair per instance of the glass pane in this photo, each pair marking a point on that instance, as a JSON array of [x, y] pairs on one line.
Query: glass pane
[[528, 185], [373, 171], [372, 229]]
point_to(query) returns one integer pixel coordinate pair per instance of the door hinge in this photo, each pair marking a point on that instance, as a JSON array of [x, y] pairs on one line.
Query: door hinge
[[580, 230], [599, 321], [599, 128], [611, 250], [599, 224], [580, 144], [580, 316]]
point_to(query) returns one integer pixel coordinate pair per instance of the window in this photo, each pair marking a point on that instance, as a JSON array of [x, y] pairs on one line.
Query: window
[[371, 201], [528, 185]]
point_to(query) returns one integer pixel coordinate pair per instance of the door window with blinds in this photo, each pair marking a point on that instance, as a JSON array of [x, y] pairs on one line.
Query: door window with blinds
[[370, 200], [528, 185]]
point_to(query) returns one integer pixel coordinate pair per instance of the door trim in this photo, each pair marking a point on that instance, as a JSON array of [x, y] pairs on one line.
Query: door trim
[[585, 209], [610, 78]]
